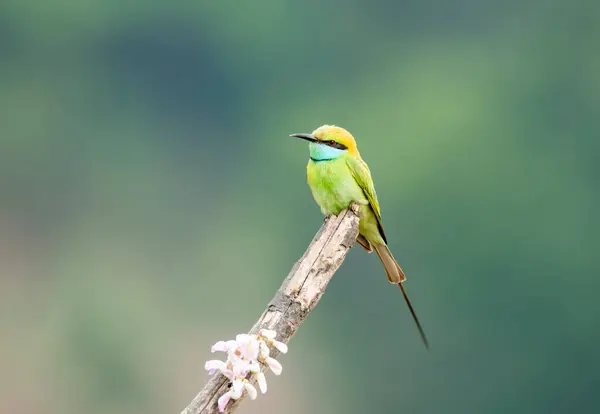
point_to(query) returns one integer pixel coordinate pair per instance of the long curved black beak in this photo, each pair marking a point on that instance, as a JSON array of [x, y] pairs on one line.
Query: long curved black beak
[[307, 137]]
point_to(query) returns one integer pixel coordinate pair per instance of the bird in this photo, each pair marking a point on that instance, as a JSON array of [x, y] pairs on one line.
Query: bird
[[338, 176]]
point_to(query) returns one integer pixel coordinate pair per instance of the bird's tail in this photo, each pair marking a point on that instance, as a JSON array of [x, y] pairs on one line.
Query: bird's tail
[[396, 276], [392, 268], [414, 315]]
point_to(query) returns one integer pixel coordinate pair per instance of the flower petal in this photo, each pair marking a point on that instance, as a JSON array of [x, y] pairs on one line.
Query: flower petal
[[219, 346], [251, 390], [267, 333], [254, 367], [274, 365], [237, 387], [248, 346], [264, 350], [241, 367], [262, 382], [223, 400], [252, 350], [242, 338], [283, 348], [223, 346], [215, 365]]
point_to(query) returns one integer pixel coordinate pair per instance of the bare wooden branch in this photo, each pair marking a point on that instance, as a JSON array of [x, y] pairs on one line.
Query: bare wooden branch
[[295, 299]]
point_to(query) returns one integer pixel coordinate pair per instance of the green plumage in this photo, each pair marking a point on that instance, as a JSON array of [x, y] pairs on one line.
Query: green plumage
[[337, 183]]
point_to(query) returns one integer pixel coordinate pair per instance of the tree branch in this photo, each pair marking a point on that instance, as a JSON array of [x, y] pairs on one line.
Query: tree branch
[[295, 299]]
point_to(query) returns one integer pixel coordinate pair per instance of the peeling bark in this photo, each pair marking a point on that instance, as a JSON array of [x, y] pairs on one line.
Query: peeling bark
[[296, 298]]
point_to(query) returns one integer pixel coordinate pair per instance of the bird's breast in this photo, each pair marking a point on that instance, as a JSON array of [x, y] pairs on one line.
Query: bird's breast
[[332, 185]]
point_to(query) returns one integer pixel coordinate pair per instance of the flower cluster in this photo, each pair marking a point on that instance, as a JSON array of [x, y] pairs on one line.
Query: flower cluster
[[244, 358]]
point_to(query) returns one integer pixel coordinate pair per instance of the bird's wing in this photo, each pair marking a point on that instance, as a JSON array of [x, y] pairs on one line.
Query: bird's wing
[[361, 173], [364, 243]]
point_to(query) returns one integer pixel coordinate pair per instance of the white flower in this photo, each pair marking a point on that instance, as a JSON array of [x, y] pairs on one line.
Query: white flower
[[264, 351], [269, 335], [240, 367], [215, 365], [235, 392], [274, 365], [245, 355], [283, 348], [248, 346], [237, 388], [223, 346], [223, 400], [253, 367], [262, 382], [250, 390]]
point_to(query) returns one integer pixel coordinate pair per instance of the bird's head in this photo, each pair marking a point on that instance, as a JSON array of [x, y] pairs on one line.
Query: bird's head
[[329, 142]]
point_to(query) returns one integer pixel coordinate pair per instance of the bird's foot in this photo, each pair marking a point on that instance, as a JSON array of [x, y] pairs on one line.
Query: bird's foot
[[354, 206]]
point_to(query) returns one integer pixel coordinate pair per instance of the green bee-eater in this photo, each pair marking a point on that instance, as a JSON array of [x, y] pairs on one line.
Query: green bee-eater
[[338, 176]]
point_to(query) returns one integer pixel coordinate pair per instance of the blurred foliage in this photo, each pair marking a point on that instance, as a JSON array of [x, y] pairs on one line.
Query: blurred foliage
[[147, 179]]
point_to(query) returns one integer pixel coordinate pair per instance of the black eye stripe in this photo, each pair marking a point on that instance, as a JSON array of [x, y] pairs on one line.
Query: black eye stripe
[[337, 145]]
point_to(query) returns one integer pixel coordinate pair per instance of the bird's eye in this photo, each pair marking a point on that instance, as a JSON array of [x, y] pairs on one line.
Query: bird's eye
[[331, 142]]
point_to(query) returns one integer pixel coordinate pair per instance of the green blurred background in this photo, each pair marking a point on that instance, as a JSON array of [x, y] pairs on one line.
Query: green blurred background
[[152, 202]]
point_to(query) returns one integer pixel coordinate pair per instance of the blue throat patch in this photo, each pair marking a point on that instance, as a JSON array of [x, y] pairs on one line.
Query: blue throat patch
[[322, 152]]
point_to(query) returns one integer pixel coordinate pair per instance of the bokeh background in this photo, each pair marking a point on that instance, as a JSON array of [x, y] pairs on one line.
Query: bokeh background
[[151, 201]]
